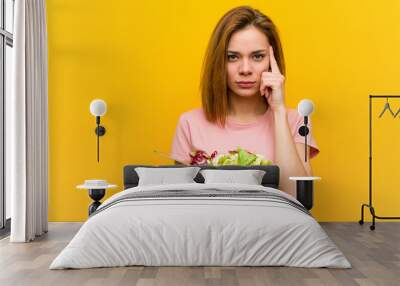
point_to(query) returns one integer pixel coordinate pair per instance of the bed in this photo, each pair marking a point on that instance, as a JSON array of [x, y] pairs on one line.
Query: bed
[[201, 224]]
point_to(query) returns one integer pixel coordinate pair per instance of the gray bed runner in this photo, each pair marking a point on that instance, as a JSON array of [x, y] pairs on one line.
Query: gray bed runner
[[198, 194]]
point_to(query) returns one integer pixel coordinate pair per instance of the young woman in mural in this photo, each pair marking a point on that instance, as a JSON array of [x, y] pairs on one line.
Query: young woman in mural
[[243, 100]]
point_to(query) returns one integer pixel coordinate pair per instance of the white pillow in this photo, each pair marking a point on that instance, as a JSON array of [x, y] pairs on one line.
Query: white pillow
[[163, 176], [250, 177]]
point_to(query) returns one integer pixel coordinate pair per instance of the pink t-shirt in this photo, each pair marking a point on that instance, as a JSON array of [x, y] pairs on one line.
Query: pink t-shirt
[[193, 132]]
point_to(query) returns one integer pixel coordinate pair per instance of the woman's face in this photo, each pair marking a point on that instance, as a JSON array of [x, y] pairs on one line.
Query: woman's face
[[247, 59]]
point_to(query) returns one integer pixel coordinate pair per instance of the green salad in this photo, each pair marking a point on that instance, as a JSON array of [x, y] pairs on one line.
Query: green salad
[[239, 157]]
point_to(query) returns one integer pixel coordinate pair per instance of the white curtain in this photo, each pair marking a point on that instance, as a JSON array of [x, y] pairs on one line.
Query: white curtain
[[26, 124]]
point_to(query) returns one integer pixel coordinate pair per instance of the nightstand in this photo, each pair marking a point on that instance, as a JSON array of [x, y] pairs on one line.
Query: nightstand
[[97, 190], [304, 190]]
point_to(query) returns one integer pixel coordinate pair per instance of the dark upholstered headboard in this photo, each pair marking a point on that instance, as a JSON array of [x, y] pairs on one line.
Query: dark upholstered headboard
[[270, 179]]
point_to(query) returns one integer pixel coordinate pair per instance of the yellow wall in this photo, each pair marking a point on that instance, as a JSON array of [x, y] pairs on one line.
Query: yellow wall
[[144, 57]]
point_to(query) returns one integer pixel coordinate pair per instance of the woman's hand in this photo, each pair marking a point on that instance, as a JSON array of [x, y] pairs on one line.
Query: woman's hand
[[272, 84]]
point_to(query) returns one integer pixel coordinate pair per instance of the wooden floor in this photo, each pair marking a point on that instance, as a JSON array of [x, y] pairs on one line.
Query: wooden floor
[[375, 256]]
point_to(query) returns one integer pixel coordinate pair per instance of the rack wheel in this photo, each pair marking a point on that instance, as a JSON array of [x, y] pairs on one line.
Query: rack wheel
[[361, 222], [372, 227]]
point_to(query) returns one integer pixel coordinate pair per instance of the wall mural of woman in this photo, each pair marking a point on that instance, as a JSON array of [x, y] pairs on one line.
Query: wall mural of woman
[[244, 119]]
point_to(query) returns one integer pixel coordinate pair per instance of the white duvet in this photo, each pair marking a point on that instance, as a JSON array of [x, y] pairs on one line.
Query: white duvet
[[200, 231]]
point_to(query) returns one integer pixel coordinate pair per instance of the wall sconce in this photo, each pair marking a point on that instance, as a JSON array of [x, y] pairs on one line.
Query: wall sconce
[[98, 108], [305, 108]]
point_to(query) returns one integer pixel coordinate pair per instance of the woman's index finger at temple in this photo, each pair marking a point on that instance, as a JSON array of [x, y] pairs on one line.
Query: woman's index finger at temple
[[273, 63]]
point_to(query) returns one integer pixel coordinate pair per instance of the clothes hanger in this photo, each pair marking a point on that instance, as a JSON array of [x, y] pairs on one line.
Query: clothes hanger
[[398, 112], [387, 107]]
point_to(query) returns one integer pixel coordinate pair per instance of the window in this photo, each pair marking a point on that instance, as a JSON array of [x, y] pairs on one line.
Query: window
[[6, 60]]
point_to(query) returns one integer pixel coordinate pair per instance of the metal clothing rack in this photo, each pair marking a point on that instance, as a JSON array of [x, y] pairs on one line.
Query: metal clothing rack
[[370, 206]]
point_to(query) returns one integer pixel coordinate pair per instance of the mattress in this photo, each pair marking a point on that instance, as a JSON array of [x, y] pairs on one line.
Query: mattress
[[201, 225]]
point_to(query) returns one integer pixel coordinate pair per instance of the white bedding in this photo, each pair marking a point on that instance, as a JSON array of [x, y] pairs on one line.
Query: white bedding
[[182, 231]]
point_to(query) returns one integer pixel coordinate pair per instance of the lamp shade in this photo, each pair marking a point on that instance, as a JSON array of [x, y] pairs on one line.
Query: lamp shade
[[98, 107], [305, 107]]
